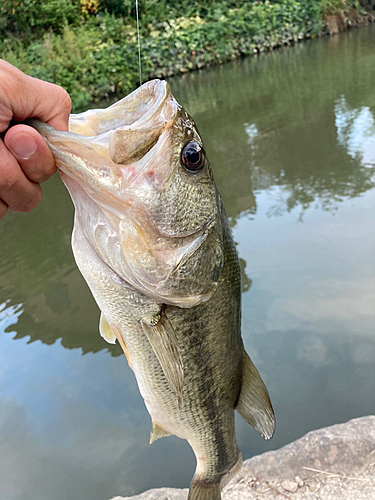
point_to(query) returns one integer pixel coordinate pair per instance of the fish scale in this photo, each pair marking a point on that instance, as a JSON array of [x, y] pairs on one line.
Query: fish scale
[[152, 240]]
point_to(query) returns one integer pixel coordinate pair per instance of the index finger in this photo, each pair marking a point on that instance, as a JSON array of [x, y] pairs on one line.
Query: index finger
[[25, 97]]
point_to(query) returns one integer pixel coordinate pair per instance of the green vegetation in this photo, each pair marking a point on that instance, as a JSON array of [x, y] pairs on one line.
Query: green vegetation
[[90, 46]]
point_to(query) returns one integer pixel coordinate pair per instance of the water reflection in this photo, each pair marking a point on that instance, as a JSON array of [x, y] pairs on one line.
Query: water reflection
[[245, 280], [356, 132], [9, 314], [276, 125], [313, 172]]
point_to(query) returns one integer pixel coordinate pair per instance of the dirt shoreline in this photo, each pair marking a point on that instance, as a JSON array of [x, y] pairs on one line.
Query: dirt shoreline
[[341, 21]]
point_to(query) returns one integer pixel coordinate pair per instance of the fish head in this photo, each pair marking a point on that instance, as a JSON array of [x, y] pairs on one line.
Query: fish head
[[144, 194]]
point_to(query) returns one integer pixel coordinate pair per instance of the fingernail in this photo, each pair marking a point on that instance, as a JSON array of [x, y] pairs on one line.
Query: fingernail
[[22, 145]]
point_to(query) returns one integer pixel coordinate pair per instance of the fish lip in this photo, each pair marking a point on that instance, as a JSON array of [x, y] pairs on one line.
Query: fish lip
[[154, 92]]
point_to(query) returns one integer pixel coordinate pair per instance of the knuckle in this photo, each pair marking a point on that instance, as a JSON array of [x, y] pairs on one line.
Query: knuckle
[[40, 177], [9, 177], [30, 202], [64, 99], [13, 80]]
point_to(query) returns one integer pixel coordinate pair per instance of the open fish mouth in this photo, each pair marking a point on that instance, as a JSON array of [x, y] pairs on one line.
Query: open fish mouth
[[100, 141], [131, 126]]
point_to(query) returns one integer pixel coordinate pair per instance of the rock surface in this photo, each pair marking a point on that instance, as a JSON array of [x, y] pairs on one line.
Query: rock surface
[[333, 463]]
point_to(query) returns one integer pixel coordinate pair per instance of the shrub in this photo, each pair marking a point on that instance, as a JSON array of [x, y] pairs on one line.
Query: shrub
[[90, 46]]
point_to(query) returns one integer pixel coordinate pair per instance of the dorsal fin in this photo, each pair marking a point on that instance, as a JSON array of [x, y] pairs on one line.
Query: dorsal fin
[[254, 404]]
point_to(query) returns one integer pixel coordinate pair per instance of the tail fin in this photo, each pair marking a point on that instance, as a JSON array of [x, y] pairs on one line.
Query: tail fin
[[199, 490]]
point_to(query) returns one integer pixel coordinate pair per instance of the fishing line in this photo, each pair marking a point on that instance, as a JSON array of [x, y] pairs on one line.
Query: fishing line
[[139, 44]]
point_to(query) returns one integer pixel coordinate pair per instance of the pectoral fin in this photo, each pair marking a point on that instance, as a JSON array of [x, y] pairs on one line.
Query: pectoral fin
[[106, 331], [254, 404], [157, 432], [162, 337], [110, 334]]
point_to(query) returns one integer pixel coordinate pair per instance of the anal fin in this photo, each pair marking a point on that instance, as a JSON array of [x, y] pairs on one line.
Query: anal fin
[[157, 432], [254, 403]]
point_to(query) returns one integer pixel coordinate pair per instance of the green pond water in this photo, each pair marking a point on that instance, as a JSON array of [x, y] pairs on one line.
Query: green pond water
[[291, 139]]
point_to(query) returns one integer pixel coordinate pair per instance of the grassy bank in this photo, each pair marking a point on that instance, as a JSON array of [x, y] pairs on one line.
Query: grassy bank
[[90, 46]]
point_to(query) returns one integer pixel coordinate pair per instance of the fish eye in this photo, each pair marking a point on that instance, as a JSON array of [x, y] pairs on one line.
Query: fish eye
[[192, 156]]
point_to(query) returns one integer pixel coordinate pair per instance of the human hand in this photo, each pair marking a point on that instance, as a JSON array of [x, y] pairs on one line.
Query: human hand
[[25, 159]]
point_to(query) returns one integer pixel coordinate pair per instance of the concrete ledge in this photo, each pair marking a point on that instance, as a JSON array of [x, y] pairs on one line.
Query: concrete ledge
[[333, 463]]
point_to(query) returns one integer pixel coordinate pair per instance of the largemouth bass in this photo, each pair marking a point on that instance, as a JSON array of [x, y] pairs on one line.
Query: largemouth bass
[[151, 239]]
